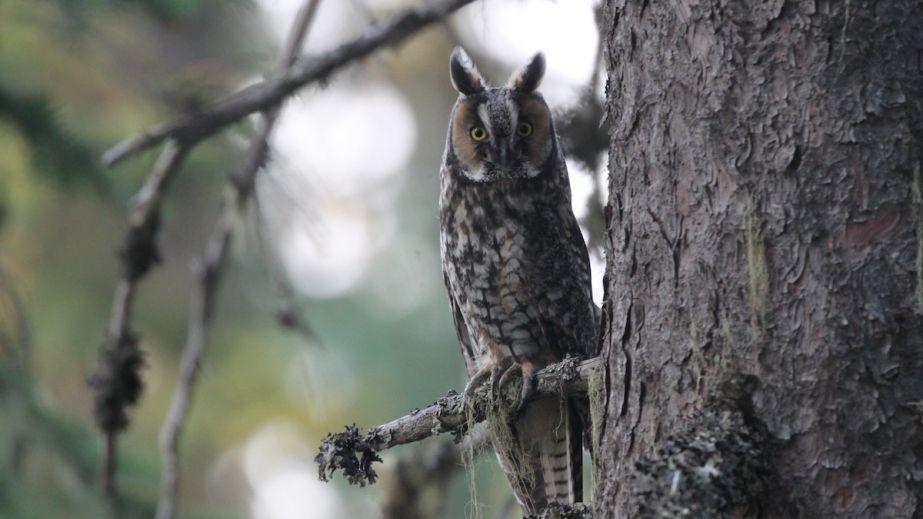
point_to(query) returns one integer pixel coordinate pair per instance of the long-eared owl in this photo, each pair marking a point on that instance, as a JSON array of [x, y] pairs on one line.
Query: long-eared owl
[[516, 268]]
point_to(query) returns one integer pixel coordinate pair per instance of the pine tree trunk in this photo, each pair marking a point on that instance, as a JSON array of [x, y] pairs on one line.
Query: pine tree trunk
[[762, 330]]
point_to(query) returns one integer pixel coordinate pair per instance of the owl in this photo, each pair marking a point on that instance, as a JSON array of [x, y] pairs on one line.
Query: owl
[[516, 269]]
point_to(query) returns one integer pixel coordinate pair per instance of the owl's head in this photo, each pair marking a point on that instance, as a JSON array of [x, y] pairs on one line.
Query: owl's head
[[503, 132]]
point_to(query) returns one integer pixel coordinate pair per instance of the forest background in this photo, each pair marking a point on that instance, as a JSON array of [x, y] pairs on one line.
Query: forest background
[[347, 219]]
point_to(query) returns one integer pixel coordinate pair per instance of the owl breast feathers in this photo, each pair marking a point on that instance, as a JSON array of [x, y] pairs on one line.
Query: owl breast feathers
[[516, 266]]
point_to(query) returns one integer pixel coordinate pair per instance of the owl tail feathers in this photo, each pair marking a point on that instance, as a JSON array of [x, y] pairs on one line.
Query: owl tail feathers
[[544, 461]]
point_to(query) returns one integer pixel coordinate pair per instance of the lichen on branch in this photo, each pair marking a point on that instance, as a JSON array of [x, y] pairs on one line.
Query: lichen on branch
[[353, 452]]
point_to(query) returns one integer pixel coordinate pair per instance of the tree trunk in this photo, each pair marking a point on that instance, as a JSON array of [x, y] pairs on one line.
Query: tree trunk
[[763, 338]]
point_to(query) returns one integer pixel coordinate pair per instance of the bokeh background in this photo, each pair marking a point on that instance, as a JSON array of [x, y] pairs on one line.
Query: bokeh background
[[348, 216]]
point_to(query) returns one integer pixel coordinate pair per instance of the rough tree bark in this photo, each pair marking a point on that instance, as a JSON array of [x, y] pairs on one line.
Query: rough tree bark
[[765, 228]]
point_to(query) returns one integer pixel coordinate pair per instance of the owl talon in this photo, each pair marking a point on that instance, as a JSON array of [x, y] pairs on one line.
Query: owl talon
[[477, 380], [500, 375], [529, 381], [508, 374], [494, 379]]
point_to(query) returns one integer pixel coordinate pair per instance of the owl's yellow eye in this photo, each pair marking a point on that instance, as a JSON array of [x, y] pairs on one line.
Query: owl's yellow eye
[[478, 133], [524, 129]]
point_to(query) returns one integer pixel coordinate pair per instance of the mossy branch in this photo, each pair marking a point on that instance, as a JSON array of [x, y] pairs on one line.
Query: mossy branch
[[353, 452]]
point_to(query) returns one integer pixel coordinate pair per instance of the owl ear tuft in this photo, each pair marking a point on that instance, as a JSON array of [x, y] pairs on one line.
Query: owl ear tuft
[[527, 79], [465, 76]]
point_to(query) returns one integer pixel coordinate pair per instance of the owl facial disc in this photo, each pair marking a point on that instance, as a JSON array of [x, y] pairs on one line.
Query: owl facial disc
[[499, 133]]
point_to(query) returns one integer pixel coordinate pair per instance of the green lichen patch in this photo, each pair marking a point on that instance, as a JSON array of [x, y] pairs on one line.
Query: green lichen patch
[[916, 191], [757, 269], [596, 393]]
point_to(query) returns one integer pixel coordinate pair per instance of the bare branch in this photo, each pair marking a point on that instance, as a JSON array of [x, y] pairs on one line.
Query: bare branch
[[288, 316], [201, 311], [116, 383], [271, 92], [353, 453], [209, 279]]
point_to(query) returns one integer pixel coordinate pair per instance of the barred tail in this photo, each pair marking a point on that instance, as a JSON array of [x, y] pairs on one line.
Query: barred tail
[[546, 463], [562, 458]]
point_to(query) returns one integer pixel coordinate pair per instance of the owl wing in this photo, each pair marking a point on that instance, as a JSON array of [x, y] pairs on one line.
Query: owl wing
[[568, 314], [469, 349]]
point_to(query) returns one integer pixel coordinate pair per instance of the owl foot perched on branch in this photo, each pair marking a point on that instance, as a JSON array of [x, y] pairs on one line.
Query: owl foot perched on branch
[[501, 373]]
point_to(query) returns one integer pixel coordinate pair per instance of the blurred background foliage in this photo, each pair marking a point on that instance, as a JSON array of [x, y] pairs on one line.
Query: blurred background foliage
[[358, 239]]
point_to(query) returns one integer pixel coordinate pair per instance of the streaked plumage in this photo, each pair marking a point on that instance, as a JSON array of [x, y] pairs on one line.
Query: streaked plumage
[[516, 266]]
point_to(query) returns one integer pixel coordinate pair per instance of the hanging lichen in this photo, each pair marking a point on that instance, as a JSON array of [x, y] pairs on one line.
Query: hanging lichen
[[468, 456], [501, 413]]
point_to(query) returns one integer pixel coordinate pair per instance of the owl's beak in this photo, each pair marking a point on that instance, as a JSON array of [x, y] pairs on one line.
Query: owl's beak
[[505, 156]]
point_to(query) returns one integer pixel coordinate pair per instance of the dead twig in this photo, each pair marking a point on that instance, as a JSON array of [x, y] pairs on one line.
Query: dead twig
[[269, 93], [288, 315], [201, 310], [116, 384], [353, 452], [209, 276]]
